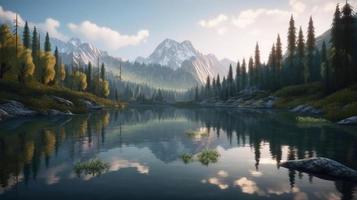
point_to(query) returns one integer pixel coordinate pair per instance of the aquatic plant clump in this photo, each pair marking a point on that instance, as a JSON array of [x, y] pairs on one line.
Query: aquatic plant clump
[[208, 156], [93, 167], [311, 120], [187, 158], [205, 157]]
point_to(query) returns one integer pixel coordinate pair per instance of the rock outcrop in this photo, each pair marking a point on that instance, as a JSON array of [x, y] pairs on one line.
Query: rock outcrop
[[322, 167], [92, 105], [13, 109], [349, 121], [62, 101], [306, 109]]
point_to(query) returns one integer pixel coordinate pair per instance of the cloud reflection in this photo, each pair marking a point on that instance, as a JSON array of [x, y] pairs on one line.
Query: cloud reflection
[[120, 164], [248, 186]]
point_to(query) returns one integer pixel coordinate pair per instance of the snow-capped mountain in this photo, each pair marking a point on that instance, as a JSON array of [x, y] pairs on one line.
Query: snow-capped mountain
[[184, 56], [77, 51], [171, 53]]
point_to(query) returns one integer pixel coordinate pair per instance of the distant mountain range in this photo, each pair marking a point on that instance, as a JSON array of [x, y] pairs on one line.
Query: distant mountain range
[[172, 65]]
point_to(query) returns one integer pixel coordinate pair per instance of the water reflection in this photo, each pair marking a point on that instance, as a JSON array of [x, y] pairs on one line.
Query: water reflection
[[148, 143]]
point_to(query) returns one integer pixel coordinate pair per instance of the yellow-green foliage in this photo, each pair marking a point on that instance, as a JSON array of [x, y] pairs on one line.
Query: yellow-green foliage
[[47, 63], [62, 72], [102, 87], [19, 65], [80, 80], [27, 67]]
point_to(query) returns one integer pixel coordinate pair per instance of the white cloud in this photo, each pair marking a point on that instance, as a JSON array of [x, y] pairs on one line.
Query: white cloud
[[51, 26], [213, 23], [248, 17], [106, 37], [7, 16], [297, 5]]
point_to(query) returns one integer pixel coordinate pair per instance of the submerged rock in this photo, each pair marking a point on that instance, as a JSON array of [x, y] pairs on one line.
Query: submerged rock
[[349, 121], [322, 166]]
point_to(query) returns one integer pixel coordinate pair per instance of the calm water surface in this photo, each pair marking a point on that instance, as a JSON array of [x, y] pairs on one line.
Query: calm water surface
[[143, 147]]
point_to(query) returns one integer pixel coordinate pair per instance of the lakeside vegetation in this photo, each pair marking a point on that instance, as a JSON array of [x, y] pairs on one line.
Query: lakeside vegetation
[[30, 75], [38, 97]]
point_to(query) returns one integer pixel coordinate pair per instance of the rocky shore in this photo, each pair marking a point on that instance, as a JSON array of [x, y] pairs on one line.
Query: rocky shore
[[12, 109]]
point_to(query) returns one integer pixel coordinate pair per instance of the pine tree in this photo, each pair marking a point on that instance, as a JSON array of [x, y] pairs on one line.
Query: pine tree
[[57, 66], [313, 70], [26, 37], [244, 74], [218, 83], [47, 43], [278, 62], [34, 46], [257, 66], [237, 79], [102, 72], [89, 77], [326, 68], [230, 85], [291, 47], [348, 38], [336, 54], [301, 74], [251, 72], [272, 80]]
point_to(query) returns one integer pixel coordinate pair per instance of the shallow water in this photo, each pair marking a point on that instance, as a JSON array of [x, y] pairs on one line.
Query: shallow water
[[143, 147]]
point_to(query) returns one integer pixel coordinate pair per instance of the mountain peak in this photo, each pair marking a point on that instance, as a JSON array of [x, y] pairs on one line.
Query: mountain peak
[[171, 53], [75, 42]]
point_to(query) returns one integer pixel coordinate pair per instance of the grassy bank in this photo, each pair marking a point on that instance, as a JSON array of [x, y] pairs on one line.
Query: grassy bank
[[335, 106], [38, 97]]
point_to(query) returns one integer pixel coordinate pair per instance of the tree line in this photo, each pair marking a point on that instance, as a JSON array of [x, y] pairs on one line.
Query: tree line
[[24, 60], [334, 63]]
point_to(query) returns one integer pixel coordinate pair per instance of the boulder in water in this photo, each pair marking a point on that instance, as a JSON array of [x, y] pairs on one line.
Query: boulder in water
[[349, 121], [323, 167]]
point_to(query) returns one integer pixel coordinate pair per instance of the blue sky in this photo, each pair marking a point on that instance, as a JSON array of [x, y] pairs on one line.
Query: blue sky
[[131, 28]]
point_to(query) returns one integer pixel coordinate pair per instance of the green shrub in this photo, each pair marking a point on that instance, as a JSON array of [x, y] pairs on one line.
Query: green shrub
[[208, 156], [93, 167]]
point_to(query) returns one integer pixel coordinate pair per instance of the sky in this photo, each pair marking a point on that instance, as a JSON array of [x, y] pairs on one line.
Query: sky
[[132, 28]]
